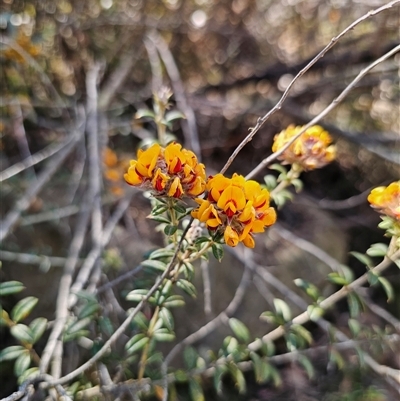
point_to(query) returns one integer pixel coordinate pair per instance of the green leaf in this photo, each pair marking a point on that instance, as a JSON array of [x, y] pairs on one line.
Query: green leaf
[[372, 278], [260, 368], [307, 365], [336, 358], [278, 167], [364, 259], [163, 335], [88, 310], [238, 378], [218, 251], [282, 308], [355, 304], [11, 287], [174, 301], [180, 209], [167, 318], [377, 250], [239, 329], [141, 113], [161, 253], [22, 333], [4, 318], [302, 332], [141, 321], [220, 370], [158, 210], [131, 346], [22, 363], [137, 295], [170, 230], [387, 287], [195, 390], [335, 278], [310, 289], [298, 184], [38, 326], [354, 326], [160, 219], [138, 345], [78, 325], [12, 352], [200, 240], [270, 181], [315, 312], [154, 264], [190, 357], [106, 325], [23, 308], [174, 115], [187, 286], [28, 374]]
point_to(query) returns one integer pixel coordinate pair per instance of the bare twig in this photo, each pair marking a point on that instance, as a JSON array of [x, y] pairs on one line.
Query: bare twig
[[190, 129], [64, 288], [34, 159], [205, 272], [126, 322], [23, 203], [321, 115], [116, 79], [30, 259], [96, 250], [263, 119]]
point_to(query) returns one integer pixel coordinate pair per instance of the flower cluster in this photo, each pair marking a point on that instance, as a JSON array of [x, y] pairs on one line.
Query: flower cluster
[[386, 200], [112, 170], [311, 150], [171, 171], [235, 208]]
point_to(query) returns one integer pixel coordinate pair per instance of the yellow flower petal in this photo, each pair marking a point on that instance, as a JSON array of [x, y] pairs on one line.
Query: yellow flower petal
[[231, 236]]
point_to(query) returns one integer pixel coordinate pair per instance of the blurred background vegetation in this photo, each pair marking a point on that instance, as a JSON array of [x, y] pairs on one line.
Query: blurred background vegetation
[[228, 63]]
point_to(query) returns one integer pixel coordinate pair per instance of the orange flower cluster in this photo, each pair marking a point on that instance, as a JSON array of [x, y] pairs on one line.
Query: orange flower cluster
[[235, 207], [386, 200], [311, 150], [171, 171]]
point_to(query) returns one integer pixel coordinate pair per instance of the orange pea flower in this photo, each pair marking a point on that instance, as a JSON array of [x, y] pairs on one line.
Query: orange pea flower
[[235, 208], [386, 200], [311, 150], [171, 171]]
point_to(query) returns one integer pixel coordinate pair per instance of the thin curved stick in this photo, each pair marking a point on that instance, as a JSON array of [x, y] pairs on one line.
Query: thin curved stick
[[324, 112], [262, 120]]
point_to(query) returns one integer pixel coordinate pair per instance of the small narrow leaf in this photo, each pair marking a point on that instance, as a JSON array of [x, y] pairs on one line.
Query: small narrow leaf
[[282, 308], [190, 356], [307, 365], [10, 287], [38, 326], [196, 391], [377, 250], [239, 329], [387, 287], [28, 374], [22, 363], [167, 318], [137, 346], [23, 308], [88, 310], [218, 251], [22, 333], [154, 264], [12, 352], [144, 113], [364, 259], [187, 286], [170, 230]]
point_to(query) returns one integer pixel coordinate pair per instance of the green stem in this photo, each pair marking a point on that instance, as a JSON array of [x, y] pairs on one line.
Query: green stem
[[292, 174], [198, 254], [143, 358]]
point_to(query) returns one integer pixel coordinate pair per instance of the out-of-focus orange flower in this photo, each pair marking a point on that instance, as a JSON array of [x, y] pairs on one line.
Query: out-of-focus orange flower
[[386, 200], [235, 208], [24, 41], [171, 171], [311, 150], [112, 171]]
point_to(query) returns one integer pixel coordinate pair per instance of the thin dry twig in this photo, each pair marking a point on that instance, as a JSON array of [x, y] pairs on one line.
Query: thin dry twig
[[30, 259], [23, 203], [189, 127], [323, 113], [263, 119], [64, 289], [34, 159], [126, 322], [205, 273]]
